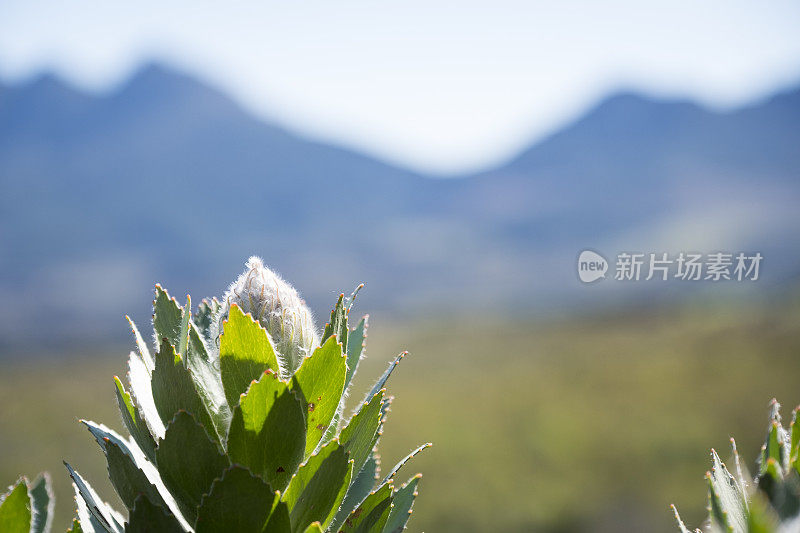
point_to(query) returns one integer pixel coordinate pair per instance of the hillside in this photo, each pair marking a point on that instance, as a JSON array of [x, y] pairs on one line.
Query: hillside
[[168, 179]]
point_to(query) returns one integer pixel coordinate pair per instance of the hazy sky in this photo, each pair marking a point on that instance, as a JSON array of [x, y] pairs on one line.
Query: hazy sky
[[441, 86]]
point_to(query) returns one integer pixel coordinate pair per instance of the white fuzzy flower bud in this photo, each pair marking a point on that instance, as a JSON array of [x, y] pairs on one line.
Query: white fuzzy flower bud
[[278, 307]]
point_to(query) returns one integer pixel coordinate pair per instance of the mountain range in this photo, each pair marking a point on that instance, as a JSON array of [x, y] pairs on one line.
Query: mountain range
[[167, 179]]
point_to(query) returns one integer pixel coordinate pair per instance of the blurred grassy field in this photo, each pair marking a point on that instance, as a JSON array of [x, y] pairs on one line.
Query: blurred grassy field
[[593, 423]]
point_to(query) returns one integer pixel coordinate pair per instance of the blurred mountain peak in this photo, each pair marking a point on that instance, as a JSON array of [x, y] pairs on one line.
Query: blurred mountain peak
[[168, 179], [158, 79], [47, 84]]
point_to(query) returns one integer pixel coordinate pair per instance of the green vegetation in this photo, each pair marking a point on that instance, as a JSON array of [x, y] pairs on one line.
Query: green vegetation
[[769, 502], [591, 423], [237, 423]]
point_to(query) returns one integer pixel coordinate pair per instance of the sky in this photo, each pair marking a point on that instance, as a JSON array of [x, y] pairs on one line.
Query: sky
[[441, 87]]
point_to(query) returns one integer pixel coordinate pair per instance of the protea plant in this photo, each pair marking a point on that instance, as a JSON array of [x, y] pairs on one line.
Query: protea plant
[[766, 503], [27, 506], [236, 422]]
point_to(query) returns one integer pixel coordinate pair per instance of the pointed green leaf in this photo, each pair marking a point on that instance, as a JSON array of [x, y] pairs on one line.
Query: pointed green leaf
[[777, 443], [174, 389], [140, 380], [188, 461], [371, 515], [316, 491], [15, 509], [727, 503], [183, 336], [238, 501], [205, 316], [91, 509], [144, 352], [314, 528], [130, 472], [268, 430], [350, 300], [360, 435], [208, 383], [681, 525], [133, 421], [359, 489], [794, 446], [356, 344], [245, 351], [279, 521], [338, 324], [411, 455], [123, 471], [402, 502], [85, 520], [774, 447], [147, 517], [42, 504], [167, 316], [76, 527], [319, 383], [382, 380]]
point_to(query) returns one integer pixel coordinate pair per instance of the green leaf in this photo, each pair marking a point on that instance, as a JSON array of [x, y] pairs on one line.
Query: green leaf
[[781, 491], [382, 380], [316, 491], [268, 430], [144, 353], [42, 504], [208, 383], [238, 501], [350, 300], [333, 427], [356, 344], [130, 472], [727, 504], [794, 446], [15, 509], [402, 502], [91, 509], [147, 517], [245, 351], [777, 443], [775, 447], [338, 324], [123, 469], [183, 336], [360, 435], [85, 520], [140, 380], [76, 526], [681, 525], [174, 389], [314, 528], [167, 317], [371, 515], [761, 517], [319, 383], [359, 489], [133, 421], [279, 521], [205, 316], [188, 461], [411, 455]]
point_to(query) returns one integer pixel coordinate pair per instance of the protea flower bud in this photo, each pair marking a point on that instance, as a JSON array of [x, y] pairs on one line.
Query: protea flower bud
[[278, 307]]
